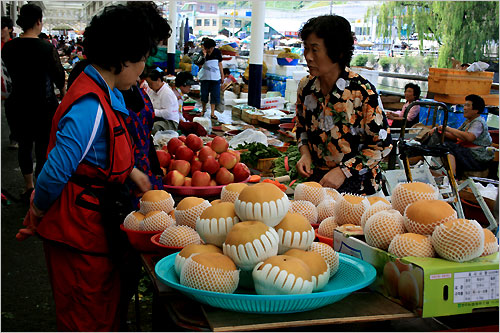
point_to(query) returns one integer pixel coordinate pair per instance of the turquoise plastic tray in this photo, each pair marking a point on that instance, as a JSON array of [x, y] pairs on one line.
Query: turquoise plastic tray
[[353, 274]]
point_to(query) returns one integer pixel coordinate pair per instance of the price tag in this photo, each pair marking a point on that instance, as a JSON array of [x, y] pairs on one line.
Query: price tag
[[475, 286]]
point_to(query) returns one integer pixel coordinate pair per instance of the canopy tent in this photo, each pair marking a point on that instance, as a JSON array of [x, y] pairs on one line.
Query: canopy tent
[[220, 38], [290, 41], [365, 43]]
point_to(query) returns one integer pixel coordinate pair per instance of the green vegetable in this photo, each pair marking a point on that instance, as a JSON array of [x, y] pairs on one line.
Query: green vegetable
[[256, 151], [279, 170]]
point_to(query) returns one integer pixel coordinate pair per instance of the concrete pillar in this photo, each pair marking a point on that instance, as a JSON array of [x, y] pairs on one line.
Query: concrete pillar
[[256, 53], [172, 17]]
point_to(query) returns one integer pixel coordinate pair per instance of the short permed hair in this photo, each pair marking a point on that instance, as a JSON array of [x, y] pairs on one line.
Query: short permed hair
[[154, 73], [208, 42], [28, 16], [336, 34], [123, 33], [7, 22], [416, 89], [477, 102]]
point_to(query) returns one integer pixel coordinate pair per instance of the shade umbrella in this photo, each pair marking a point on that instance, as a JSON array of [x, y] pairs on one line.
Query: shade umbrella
[[186, 31], [220, 38], [181, 36], [366, 43]]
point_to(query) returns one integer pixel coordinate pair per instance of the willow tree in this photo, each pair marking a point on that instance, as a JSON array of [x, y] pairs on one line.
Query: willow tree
[[463, 29]]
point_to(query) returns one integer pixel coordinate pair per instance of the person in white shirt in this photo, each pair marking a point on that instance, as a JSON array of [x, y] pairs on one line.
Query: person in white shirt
[[165, 102]]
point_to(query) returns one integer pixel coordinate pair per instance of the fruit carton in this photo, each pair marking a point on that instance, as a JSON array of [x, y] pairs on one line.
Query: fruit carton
[[428, 286]]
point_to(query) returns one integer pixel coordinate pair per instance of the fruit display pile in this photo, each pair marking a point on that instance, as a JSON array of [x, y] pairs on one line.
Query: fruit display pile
[[187, 161]]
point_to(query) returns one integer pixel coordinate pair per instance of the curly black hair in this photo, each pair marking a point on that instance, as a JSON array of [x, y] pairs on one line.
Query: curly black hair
[[336, 34], [477, 102], [28, 16], [416, 89], [124, 33]]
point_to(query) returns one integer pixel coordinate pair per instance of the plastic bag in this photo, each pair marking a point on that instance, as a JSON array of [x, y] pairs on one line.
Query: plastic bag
[[478, 66], [248, 136], [161, 138], [490, 191]]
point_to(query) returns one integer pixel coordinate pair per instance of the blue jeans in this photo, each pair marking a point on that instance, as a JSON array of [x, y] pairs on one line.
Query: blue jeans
[[211, 87]]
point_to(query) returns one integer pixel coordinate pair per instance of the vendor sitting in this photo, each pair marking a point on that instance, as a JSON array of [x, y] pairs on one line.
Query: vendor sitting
[[395, 119], [467, 144], [183, 82], [164, 100]]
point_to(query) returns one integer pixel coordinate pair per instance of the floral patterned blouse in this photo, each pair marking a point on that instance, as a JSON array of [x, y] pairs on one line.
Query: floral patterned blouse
[[345, 128]]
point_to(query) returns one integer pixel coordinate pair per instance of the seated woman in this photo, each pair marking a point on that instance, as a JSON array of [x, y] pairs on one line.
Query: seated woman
[[467, 144], [395, 119]]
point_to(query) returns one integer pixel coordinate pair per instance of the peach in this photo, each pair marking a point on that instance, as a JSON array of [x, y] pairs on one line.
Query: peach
[[187, 181], [240, 172], [182, 166], [182, 138], [212, 182], [175, 178], [173, 144], [194, 142], [206, 152], [227, 160], [219, 144], [224, 176], [210, 165], [195, 166], [200, 179], [184, 153], [163, 157], [236, 154]]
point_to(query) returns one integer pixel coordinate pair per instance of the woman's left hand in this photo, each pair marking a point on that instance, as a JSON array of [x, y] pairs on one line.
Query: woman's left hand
[[334, 178], [141, 180]]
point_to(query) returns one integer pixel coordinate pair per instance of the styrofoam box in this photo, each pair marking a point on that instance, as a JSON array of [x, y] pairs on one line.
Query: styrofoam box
[[291, 84], [291, 96], [229, 95], [286, 70], [298, 75]]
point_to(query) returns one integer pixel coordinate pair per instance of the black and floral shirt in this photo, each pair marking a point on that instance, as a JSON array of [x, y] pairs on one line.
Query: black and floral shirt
[[345, 128]]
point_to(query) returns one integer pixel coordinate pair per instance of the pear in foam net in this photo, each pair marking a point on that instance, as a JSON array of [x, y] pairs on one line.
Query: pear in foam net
[[320, 271], [230, 192], [156, 221], [133, 221], [215, 222], [406, 193], [422, 216], [350, 208], [262, 202], [490, 243], [282, 275], [191, 249], [411, 245], [250, 242], [374, 208], [294, 232], [330, 255], [331, 193], [309, 191], [327, 226], [156, 200], [211, 272], [382, 227], [305, 208], [179, 236], [325, 209], [189, 210]]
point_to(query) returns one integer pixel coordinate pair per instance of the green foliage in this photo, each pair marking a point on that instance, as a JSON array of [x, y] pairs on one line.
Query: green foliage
[[385, 63], [462, 28], [256, 151], [408, 62], [360, 60], [279, 169], [372, 59]]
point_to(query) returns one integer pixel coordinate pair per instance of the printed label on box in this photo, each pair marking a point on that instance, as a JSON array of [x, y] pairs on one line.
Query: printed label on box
[[475, 286], [344, 248], [440, 276]]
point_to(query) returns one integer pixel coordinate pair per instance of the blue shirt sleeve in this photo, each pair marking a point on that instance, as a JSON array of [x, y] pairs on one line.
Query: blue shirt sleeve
[[78, 134]]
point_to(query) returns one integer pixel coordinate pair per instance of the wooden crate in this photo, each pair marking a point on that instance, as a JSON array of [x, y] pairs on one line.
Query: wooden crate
[[250, 118]]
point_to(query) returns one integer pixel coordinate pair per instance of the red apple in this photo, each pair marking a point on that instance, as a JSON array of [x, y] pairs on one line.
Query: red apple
[[224, 177], [195, 158], [227, 160], [182, 166], [219, 144], [187, 181], [165, 148], [194, 142], [210, 165], [241, 172], [209, 144], [173, 144], [182, 138], [236, 154], [184, 153], [175, 178], [205, 152], [212, 183], [163, 157], [195, 166], [200, 179]]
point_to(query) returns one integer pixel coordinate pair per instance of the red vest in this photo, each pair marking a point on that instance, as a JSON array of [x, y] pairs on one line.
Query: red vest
[[74, 218]]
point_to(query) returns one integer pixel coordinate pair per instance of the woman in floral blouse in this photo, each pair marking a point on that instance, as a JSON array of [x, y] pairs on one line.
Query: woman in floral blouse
[[341, 131]]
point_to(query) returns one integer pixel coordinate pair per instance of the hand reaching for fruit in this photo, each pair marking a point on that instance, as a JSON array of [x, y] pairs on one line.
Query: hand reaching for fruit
[[141, 180]]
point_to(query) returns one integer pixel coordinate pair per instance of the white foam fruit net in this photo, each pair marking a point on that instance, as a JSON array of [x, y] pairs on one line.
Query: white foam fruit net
[[404, 246], [305, 208], [179, 236], [272, 280], [327, 226], [309, 193], [458, 240], [425, 229], [490, 243], [402, 196], [166, 205], [325, 209], [228, 196], [332, 193], [294, 240], [157, 222], [189, 216], [328, 253], [375, 208], [214, 231], [382, 227], [270, 213], [195, 275], [349, 213], [247, 255], [131, 222]]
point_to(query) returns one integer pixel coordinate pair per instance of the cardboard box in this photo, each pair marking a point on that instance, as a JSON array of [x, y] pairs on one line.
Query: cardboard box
[[428, 286]]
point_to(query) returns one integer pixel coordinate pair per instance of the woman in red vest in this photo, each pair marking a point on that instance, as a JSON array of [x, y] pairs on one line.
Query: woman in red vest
[[90, 155]]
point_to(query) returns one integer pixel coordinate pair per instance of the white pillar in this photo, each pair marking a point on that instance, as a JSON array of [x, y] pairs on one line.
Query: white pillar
[[256, 52], [172, 17]]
